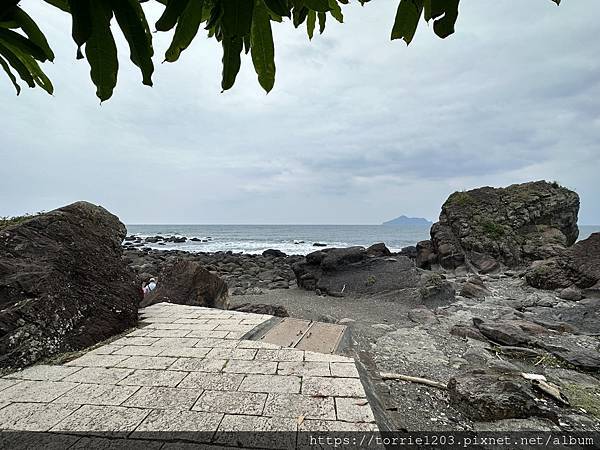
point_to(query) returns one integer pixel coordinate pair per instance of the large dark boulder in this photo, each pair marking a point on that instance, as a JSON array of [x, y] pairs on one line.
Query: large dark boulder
[[486, 227], [578, 266], [188, 283], [63, 284], [341, 271]]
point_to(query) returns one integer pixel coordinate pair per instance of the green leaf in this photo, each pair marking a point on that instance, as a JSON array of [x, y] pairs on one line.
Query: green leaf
[[237, 17], [81, 23], [186, 30], [444, 26], [133, 24], [434, 9], [38, 75], [336, 11], [32, 31], [279, 7], [171, 14], [101, 51], [16, 63], [407, 19], [262, 48], [311, 21], [322, 20], [10, 75], [318, 5], [232, 49], [22, 43], [299, 16]]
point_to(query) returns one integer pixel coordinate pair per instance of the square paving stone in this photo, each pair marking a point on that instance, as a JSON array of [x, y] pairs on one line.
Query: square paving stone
[[237, 335], [334, 387], [305, 368], [164, 398], [212, 381], [168, 333], [97, 394], [198, 365], [257, 344], [44, 372], [89, 360], [313, 356], [298, 405], [254, 431], [99, 375], [106, 419], [167, 378], [147, 362], [176, 342], [138, 350], [33, 416], [346, 370], [354, 410], [251, 367], [271, 383], [6, 383], [141, 332], [184, 352], [36, 391], [107, 349], [136, 340], [215, 342], [231, 402], [280, 355], [207, 334], [232, 353], [189, 425]]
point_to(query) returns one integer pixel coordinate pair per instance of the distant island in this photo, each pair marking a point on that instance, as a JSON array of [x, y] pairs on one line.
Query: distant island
[[412, 221]]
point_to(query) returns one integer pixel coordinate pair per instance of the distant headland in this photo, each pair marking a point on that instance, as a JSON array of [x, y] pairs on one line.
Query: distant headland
[[412, 221]]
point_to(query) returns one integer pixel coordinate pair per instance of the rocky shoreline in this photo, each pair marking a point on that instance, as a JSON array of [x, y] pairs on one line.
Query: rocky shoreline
[[499, 309]]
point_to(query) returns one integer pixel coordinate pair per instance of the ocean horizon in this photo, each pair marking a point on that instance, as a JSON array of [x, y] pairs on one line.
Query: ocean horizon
[[291, 239]]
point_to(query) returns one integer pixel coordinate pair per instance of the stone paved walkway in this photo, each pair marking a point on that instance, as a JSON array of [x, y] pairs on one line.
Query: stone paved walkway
[[186, 370]]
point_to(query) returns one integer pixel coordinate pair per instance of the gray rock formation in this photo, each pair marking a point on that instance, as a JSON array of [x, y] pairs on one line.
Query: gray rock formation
[[577, 266], [188, 283], [341, 271], [63, 284], [513, 226]]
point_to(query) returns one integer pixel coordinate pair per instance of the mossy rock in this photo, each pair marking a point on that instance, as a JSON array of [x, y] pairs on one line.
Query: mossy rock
[[586, 397]]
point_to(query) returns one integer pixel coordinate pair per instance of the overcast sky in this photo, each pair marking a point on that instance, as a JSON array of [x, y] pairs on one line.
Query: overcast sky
[[358, 129]]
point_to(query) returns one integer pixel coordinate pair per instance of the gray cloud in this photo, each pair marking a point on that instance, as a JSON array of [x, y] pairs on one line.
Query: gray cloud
[[357, 130]]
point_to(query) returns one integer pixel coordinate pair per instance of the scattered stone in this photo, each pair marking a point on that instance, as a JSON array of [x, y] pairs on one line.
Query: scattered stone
[[378, 250], [488, 396], [474, 288], [383, 326], [274, 253], [570, 293], [188, 283], [346, 321], [502, 332]]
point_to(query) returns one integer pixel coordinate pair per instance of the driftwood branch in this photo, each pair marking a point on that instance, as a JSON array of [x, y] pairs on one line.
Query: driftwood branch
[[425, 381]]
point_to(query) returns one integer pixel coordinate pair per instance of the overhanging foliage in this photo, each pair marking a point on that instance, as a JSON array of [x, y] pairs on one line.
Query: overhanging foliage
[[239, 25]]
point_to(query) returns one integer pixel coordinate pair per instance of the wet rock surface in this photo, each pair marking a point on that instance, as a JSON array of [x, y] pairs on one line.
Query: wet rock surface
[[488, 227], [63, 284]]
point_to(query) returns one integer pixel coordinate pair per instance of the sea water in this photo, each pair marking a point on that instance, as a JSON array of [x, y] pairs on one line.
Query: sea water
[[291, 239]]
